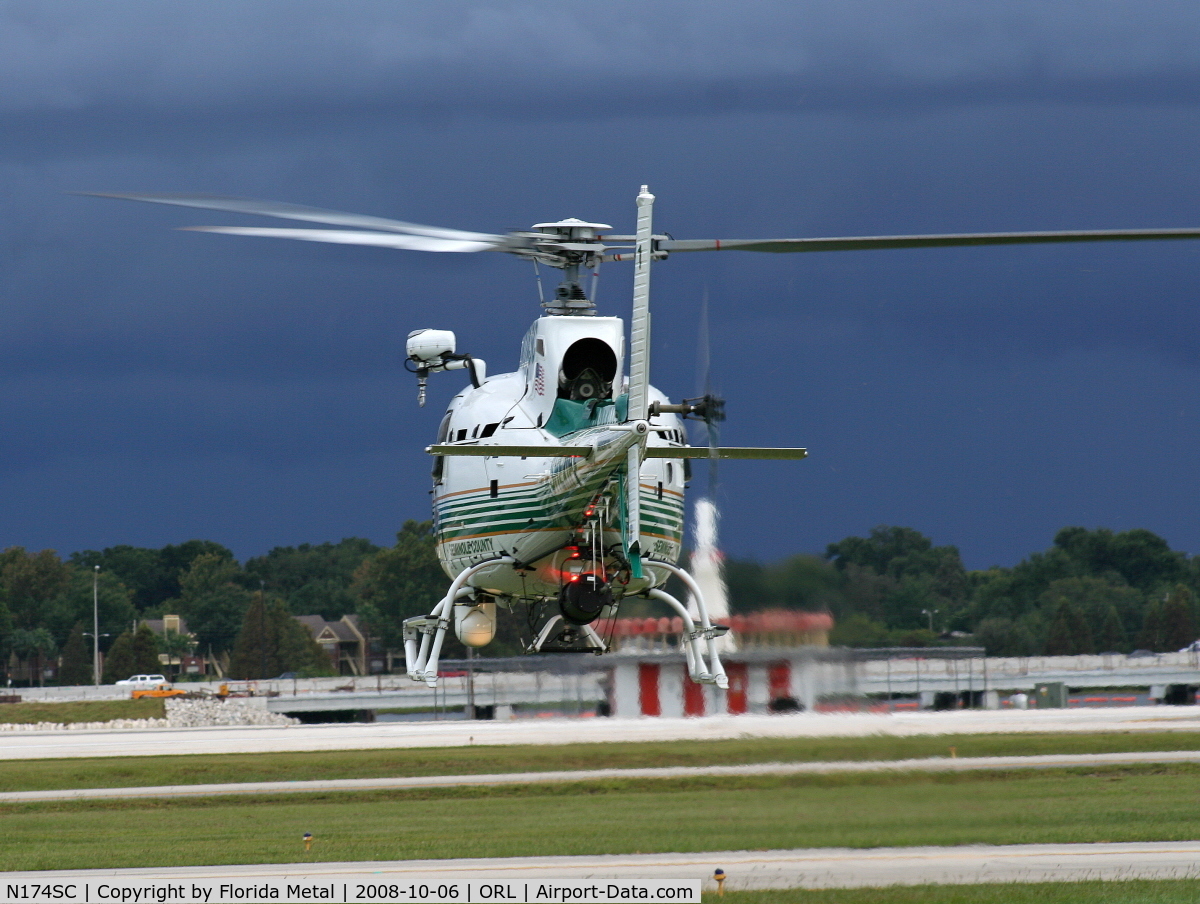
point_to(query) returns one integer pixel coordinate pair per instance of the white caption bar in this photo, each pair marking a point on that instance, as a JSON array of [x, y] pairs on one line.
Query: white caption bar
[[18, 889]]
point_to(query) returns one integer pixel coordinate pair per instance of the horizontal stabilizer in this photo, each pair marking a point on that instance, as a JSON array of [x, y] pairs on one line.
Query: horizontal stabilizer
[[729, 452], [726, 452], [513, 451]]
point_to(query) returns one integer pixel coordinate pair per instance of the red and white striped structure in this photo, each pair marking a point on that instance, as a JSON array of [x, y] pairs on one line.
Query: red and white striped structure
[[780, 661]]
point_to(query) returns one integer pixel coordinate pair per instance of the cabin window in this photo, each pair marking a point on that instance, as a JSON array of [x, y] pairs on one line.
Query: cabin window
[[488, 430], [439, 461], [541, 347], [670, 473], [495, 488], [462, 434]]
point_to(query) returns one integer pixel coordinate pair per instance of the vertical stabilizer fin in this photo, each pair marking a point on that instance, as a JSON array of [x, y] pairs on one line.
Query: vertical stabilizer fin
[[639, 375], [633, 509], [639, 323]]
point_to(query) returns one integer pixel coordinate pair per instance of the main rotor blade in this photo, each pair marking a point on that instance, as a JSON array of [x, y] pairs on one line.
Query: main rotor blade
[[286, 211], [354, 237], [751, 452], [870, 243]]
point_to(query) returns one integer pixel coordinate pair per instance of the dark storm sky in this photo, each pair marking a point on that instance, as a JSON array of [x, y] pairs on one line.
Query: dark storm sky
[[157, 385]]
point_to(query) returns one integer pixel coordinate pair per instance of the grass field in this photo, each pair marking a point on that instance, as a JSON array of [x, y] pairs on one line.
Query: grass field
[[82, 711], [749, 813], [1183, 891], [125, 772]]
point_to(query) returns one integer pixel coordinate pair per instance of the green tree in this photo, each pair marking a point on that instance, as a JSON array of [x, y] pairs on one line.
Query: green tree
[[400, 582], [858, 630], [920, 576], [1094, 595], [176, 646], [1005, 637], [76, 659], [803, 582], [6, 629], [1143, 559], [28, 582], [73, 603], [313, 579], [745, 585], [33, 646], [145, 651], [1069, 633], [865, 591], [1152, 637], [1111, 638], [119, 662], [1178, 626], [878, 550], [152, 575], [213, 601], [272, 642]]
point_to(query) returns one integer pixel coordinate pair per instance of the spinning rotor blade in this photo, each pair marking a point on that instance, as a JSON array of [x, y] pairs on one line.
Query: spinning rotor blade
[[354, 237], [726, 452], [308, 214], [869, 243]]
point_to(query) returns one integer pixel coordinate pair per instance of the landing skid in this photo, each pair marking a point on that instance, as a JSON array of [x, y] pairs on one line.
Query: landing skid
[[424, 635], [712, 672]]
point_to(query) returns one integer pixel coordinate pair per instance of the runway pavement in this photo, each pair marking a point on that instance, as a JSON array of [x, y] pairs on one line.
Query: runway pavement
[[931, 764], [810, 868], [384, 735]]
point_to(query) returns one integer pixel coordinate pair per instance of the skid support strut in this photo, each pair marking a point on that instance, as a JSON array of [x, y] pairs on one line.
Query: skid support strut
[[690, 641], [708, 632], [430, 630]]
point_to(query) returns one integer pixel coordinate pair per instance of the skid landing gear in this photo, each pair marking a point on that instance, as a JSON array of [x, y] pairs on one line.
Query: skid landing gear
[[424, 635], [695, 640]]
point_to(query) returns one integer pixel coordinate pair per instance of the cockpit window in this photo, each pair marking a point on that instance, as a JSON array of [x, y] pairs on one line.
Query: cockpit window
[[439, 461]]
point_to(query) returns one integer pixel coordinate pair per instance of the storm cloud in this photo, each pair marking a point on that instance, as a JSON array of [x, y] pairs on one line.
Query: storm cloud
[[158, 385]]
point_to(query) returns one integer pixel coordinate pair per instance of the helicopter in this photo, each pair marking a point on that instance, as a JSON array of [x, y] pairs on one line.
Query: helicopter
[[558, 488]]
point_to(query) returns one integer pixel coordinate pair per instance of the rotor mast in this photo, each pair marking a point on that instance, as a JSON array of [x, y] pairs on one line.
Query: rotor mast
[[578, 249]]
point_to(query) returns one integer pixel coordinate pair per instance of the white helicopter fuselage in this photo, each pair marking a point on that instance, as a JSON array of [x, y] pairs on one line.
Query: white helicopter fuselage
[[555, 517]]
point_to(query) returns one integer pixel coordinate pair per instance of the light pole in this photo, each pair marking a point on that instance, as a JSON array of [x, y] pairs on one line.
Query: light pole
[[96, 626], [931, 613]]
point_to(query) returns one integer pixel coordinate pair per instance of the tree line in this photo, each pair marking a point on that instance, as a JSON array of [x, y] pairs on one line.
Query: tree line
[[1091, 591], [242, 612]]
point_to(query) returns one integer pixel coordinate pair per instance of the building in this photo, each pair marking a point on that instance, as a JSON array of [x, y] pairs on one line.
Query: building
[[347, 643], [776, 661], [179, 658]]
